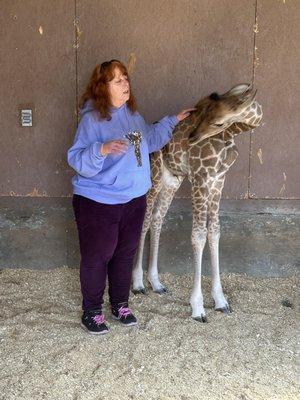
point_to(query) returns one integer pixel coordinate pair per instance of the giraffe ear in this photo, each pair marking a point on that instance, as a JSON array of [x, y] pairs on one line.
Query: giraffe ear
[[238, 89]]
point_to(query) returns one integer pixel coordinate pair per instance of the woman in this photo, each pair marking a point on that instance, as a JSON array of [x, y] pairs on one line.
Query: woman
[[111, 157]]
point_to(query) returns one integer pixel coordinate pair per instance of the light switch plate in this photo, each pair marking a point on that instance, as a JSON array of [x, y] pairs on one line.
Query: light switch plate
[[26, 117], [26, 114]]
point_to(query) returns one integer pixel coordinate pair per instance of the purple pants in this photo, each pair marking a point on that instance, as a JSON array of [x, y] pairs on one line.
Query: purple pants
[[108, 237]]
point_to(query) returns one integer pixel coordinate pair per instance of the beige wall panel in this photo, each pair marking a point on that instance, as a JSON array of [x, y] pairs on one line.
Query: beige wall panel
[[37, 68], [276, 145], [184, 49]]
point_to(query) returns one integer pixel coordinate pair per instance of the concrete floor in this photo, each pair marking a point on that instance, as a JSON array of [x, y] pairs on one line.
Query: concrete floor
[[259, 238]]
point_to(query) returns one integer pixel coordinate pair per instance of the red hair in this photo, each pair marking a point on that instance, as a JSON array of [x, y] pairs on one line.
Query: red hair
[[97, 88]]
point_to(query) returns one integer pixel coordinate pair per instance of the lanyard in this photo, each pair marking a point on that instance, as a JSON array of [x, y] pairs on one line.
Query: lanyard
[[135, 138]]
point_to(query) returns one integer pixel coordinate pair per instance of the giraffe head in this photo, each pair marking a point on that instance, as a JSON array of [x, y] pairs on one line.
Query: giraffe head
[[217, 113]]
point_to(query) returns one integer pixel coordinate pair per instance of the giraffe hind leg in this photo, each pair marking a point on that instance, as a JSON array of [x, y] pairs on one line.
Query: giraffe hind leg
[[169, 187], [137, 273]]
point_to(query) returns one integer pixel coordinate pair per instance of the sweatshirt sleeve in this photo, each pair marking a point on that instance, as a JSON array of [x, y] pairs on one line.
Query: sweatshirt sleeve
[[160, 133], [84, 156]]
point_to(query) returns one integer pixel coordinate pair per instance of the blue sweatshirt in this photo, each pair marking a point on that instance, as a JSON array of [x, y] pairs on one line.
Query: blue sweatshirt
[[114, 178]]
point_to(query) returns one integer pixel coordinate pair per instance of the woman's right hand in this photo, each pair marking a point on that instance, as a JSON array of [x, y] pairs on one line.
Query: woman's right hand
[[114, 147]]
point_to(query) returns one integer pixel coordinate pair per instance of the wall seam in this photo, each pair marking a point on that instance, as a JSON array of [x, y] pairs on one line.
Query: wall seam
[[254, 63], [76, 57]]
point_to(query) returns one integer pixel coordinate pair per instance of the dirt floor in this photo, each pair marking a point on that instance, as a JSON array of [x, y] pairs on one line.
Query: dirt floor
[[250, 354]]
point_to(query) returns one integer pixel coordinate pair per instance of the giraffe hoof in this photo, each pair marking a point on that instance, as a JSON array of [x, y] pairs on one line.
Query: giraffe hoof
[[201, 318], [139, 291], [162, 290], [225, 310]]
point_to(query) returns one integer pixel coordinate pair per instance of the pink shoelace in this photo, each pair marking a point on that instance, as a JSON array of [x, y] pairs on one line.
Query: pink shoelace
[[99, 319], [124, 312]]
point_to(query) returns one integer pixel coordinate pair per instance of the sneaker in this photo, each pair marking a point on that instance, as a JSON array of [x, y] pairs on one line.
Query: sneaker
[[94, 322], [124, 315]]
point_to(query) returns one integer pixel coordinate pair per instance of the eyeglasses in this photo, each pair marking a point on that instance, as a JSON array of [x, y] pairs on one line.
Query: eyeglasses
[[106, 64]]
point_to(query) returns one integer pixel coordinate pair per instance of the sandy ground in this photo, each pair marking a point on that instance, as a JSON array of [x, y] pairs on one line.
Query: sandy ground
[[250, 354]]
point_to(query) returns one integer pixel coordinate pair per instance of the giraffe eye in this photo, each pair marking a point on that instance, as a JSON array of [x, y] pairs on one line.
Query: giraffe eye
[[218, 124]]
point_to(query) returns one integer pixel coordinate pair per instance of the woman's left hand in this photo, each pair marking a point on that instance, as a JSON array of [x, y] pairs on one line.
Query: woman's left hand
[[184, 113]]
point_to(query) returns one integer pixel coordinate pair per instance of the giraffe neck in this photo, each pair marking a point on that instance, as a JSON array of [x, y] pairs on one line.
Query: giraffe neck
[[253, 114], [249, 119]]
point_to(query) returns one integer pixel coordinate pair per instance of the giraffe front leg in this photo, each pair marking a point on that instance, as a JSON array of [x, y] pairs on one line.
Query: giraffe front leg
[[220, 301], [196, 299], [199, 233]]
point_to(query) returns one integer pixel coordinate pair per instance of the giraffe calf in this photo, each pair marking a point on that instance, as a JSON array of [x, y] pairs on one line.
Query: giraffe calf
[[203, 149]]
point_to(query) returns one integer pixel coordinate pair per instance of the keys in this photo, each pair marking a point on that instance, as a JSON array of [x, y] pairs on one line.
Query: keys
[[135, 139]]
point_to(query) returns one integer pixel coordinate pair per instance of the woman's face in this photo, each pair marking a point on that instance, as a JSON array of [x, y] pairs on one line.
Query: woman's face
[[119, 89]]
